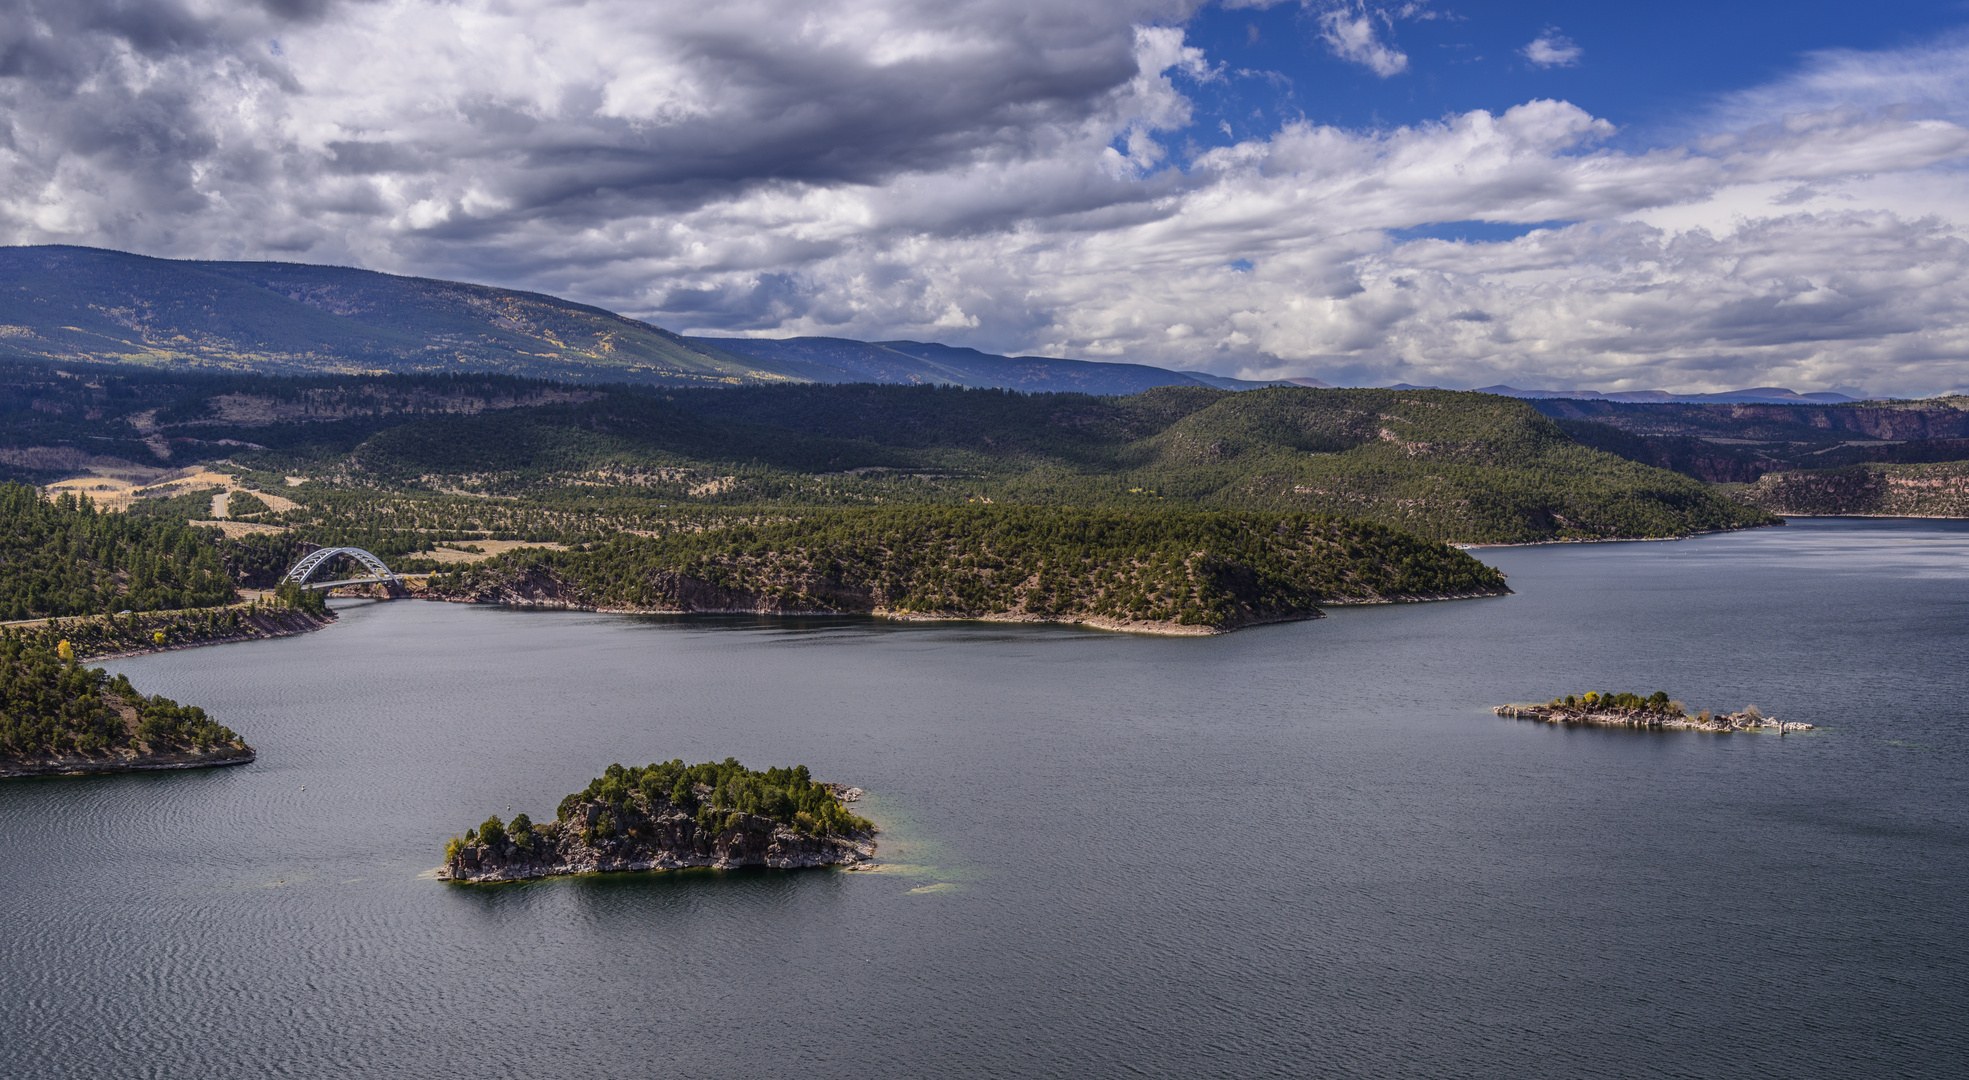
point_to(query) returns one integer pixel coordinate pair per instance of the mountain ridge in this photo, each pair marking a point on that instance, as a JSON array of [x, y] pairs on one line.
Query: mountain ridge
[[65, 303]]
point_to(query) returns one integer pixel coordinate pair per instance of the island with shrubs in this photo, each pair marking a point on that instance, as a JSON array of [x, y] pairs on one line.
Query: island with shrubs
[[671, 816], [1656, 711]]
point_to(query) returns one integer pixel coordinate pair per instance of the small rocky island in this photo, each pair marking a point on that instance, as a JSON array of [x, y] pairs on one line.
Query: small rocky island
[[1656, 711], [670, 816]]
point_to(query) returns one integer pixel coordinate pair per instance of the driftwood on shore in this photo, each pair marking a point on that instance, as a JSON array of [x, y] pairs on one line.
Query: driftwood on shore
[[1748, 720]]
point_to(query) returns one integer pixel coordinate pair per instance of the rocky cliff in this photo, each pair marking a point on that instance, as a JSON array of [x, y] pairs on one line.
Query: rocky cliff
[[1935, 490]]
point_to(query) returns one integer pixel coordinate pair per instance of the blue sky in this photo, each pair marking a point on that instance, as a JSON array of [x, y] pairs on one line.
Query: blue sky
[[1643, 66], [1620, 197]]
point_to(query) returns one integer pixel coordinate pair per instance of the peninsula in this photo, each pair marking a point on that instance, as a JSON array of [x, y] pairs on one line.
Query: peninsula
[[60, 718], [1149, 571], [1656, 712], [670, 816]]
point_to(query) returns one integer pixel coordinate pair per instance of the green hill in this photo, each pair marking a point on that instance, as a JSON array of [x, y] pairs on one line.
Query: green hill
[[568, 462], [1450, 466], [56, 708]]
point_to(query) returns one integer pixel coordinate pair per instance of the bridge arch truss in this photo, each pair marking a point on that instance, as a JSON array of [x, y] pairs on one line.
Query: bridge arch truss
[[315, 560]]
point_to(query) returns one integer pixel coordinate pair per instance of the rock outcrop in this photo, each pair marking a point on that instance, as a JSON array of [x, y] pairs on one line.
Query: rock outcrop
[[1748, 720]]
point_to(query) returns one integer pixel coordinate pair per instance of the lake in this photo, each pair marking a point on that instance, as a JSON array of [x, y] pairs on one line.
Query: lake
[[1297, 850]]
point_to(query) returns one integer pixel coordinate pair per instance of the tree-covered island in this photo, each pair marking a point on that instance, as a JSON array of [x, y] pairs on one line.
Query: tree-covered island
[[1656, 711], [1159, 571], [670, 816]]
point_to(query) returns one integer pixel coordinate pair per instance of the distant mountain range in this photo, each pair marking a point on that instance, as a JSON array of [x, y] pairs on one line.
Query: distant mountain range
[[74, 304], [1757, 395], [844, 360], [1760, 395]]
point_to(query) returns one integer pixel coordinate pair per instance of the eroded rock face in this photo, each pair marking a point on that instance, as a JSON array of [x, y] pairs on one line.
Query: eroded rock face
[[595, 838]]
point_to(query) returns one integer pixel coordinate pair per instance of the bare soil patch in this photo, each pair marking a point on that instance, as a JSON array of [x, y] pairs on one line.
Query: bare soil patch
[[491, 547]]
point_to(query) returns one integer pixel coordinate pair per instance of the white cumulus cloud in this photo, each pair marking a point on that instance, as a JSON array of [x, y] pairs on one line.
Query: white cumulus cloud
[[1354, 34], [1552, 49], [1012, 175]]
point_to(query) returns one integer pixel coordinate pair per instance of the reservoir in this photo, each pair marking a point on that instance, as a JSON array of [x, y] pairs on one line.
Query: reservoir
[[1297, 850]]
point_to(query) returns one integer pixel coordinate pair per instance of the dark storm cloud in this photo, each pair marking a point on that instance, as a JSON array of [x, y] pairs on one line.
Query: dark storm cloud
[[134, 84], [787, 110]]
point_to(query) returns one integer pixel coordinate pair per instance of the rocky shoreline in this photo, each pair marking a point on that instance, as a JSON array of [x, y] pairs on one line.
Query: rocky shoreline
[[1162, 628], [118, 637], [268, 625], [1098, 622], [1653, 720], [754, 842], [129, 760], [1473, 545]]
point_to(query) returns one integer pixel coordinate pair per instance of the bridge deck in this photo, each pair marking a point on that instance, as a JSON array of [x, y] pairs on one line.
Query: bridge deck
[[320, 585]]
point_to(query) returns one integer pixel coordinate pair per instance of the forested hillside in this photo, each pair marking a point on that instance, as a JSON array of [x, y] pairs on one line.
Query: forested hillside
[[395, 462], [1929, 418], [1451, 466], [53, 707], [1143, 568], [65, 557], [79, 304]]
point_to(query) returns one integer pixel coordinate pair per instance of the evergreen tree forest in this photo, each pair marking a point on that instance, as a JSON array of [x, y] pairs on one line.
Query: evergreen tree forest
[[51, 705], [716, 795], [1207, 570], [63, 556]]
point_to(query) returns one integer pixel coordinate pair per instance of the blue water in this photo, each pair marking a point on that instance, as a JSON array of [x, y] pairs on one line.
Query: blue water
[[1297, 850]]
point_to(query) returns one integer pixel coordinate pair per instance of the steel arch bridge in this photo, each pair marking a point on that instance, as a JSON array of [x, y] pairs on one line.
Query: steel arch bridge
[[315, 560]]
